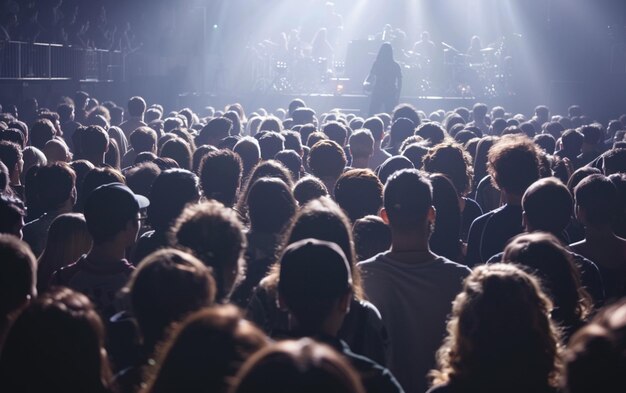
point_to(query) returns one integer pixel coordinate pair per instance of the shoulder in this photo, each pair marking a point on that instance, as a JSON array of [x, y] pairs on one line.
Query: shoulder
[[373, 262], [452, 266]]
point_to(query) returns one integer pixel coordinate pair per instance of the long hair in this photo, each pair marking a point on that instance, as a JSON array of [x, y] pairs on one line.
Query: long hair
[[500, 334], [385, 54], [68, 239]]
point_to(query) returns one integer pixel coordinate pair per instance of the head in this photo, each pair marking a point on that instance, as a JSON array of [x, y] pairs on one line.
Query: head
[[171, 191], [220, 176], [214, 131], [546, 142], [371, 236], [453, 161], [596, 201], [12, 214], [498, 302], [393, 165], [444, 239], [271, 206], [361, 144], [167, 286], [376, 126], [143, 139], [18, 280], [12, 157], [112, 214], [614, 161], [359, 193], [213, 234], [572, 141], [94, 143], [479, 111], [513, 163], [136, 107], [309, 188], [407, 201], [271, 143], [60, 338], [401, 129], [178, 150], [385, 53], [56, 187], [336, 132], [41, 132], [249, 151], [547, 206], [301, 366], [327, 159]]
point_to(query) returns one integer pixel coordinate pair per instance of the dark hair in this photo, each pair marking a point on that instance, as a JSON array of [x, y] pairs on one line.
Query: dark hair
[[214, 234], [592, 133], [234, 117], [220, 176], [445, 238], [271, 143], [178, 150], [17, 277], [270, 123], [140, 177], [292, 141], [214, 131], [309, 188], [546, 142], [391, 166], [297, 366], [171, 191], [136, 106], [407, 199], [143, 139], [579, 174], [41, 132], [376, 127], [433, 133], [596, 354], [55, 185], [59, 338], [572, 140], [10, 154], [292, 161], [271, 205], [12, 214], [13, 135], [371, 236], [407, 111], [548, 205], [269, 168], [336, 132], [359, 193], [597, 196], [327, 159], [453, 161], [167, 285], [94, 140], [95, 178], [513, 163], [614, 161], [401, 129], [249, 151]]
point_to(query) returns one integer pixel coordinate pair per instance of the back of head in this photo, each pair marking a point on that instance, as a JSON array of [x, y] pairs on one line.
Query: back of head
[[220, 176], [572, 140], [407, 200], [597, 353], [309, 188], [292, 161], [596, 200], [513, 163], [271, 205], [479, 111], [359, 193], [205, 352], [303, 115], [314, 276], [546, 142], [361, 143], [41, 132], [214, 131], [371, 236], [11, 156], [178, 150], [248, 149], [271, 143], [56, 185], [407, 111], [143, 139], [592, 134], [336, 132], [168, 285], [12, 214], [376, 127], [614, 161], [94, 141], [213, 234], [17, 276], [548, 206], [392, 165], [171, 191], [327, 159], [500, 334], [59, 338], [401, 129], [297, 366], [136, 106], [433, 133], [295, 104], [453, 161]]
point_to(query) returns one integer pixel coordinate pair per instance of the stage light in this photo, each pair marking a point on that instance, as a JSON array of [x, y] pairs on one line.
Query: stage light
[[215, 27]]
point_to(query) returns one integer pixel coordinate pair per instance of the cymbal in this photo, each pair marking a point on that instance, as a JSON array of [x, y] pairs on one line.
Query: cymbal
[[487, 50]]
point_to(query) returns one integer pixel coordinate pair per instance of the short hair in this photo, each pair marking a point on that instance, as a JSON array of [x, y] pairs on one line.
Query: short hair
[[271, 143], [479, 110], [13, 135], [300, 366], [10, 154], [548, 205], [407, 199], [271, 205], [592, 133], [407, 111], [171, 191], [220, 176], [401, 129], [94, 140], [315, 137], [293, 141], [597, 196], [291, 160], [572, 140], [452, 160], [97, 177], [371, 237], [327, 159], [359, 193], [136, 106], [17, 274], [55, 185], [361, 143], [65, 112], [167, 285], [295, 104], [271, 123], [597, 352], [376, 126], [249, 151], [415, 152], [513, 163], [546, 142], [392, 165], [178, 150], [143, 139], [614, 161], [303, 115], [140, 177], [41, 132], [336, 132], [214, 234], [308, 188]]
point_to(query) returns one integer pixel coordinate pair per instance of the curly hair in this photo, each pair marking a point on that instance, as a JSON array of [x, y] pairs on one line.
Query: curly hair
[[513, 163], [452, 160], [500, 334]]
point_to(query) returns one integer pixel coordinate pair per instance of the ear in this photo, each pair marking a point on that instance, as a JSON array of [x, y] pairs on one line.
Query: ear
[[525, 221], [432, 214], [344, 302], [383, 215]]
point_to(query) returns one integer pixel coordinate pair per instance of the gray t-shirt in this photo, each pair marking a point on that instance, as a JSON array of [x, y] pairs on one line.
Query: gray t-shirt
[[414, 300]]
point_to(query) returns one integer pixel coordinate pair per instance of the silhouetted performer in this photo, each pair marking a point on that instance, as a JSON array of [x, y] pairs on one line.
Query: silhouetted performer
[[384, 81]]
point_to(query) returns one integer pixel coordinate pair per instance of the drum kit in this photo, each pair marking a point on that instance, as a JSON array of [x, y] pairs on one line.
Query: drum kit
[[476, 75]]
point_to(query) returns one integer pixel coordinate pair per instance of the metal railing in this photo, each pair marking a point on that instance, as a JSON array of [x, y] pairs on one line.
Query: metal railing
[[40, 61]]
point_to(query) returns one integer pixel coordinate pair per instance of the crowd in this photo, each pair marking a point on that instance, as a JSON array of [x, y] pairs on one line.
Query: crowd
[[471, 250]]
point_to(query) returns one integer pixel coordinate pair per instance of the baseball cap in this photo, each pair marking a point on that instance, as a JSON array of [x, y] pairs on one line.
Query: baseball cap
[[314, 269]]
